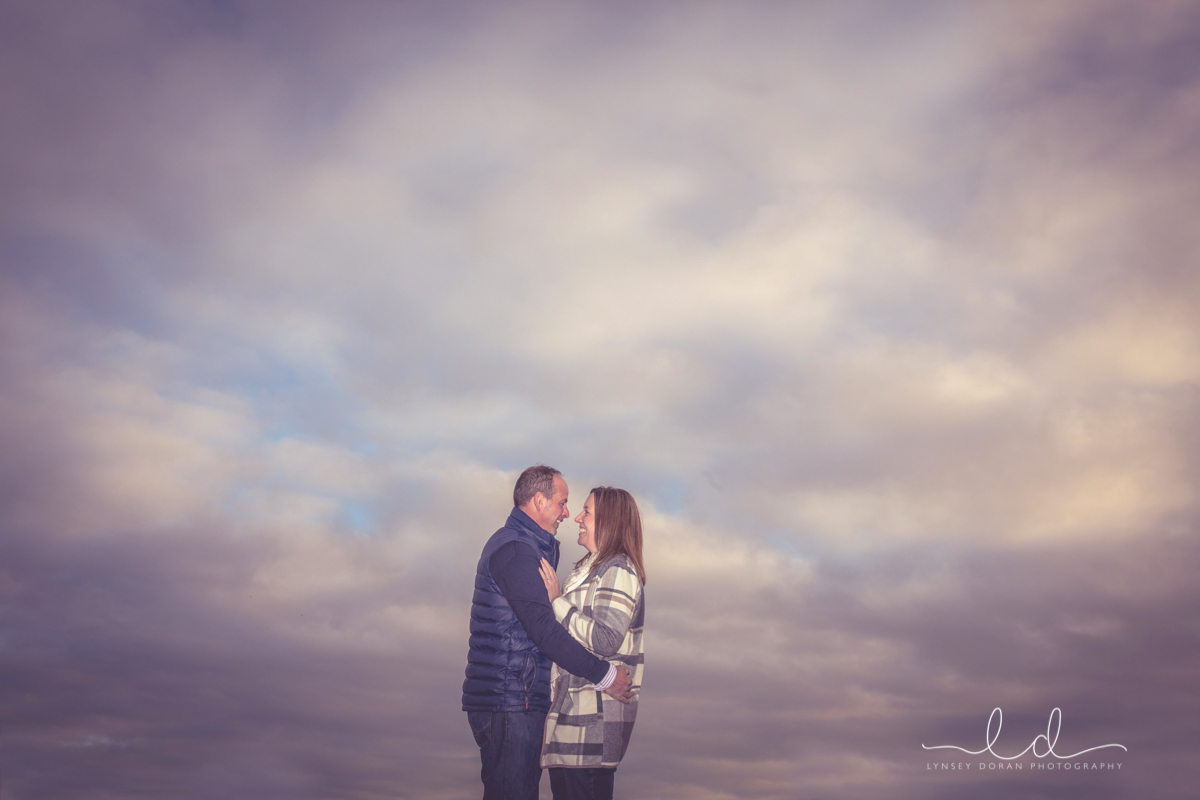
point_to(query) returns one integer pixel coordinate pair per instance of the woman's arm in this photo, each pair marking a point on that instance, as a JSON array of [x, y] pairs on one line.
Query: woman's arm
[[601, 627]]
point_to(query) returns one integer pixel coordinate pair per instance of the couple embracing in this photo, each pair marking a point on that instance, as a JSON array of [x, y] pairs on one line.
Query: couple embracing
[[553, 672]]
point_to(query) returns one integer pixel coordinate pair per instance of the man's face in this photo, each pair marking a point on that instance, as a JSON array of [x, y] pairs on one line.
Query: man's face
[[554, 510]]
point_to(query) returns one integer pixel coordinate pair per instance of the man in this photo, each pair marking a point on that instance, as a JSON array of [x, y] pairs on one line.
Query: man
[[515, 636]]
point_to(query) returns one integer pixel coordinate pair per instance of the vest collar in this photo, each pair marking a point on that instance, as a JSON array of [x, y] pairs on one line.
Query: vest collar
[[547, 542]]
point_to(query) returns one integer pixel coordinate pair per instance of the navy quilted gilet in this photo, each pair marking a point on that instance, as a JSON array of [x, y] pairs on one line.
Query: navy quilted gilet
[[505, 670]]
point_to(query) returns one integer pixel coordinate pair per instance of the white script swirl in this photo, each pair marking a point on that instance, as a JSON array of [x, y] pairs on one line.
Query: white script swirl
[[1049, 738]]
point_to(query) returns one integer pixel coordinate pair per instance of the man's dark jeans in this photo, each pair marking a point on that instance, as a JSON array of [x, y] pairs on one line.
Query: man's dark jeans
[[582, 783], [510, 747]]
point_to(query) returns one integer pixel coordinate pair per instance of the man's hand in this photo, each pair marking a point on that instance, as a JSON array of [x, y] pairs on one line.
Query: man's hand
[[622, 685]]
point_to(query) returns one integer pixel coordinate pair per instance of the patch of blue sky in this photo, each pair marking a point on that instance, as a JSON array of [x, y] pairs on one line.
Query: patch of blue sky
[[670, 496], [358, 517], [354, 515], [234, 500], [295, 400], [788, 543], [507, 464]]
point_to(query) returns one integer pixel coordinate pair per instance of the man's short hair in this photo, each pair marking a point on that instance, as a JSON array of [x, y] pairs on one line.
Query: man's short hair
[[536, 479]]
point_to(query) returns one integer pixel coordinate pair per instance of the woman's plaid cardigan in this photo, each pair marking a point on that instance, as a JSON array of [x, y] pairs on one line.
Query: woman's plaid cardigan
[[604, 612]]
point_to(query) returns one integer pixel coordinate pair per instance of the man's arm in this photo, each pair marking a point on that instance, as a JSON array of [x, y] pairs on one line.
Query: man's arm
[[515, 570]]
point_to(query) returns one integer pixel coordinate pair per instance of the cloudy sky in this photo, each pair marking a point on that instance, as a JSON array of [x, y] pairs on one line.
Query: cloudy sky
[[885, 312]]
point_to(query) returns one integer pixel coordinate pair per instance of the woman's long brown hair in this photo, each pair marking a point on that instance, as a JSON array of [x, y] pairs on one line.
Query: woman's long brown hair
[[618, 529]]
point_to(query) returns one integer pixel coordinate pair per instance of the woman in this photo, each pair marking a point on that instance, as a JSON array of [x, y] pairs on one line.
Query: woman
[[601, 605]]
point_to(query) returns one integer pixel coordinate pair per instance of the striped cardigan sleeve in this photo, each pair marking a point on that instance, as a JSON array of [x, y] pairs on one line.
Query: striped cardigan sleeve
[[602, 627]]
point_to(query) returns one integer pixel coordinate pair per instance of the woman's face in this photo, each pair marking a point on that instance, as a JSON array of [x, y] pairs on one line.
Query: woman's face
[[587, 524]]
